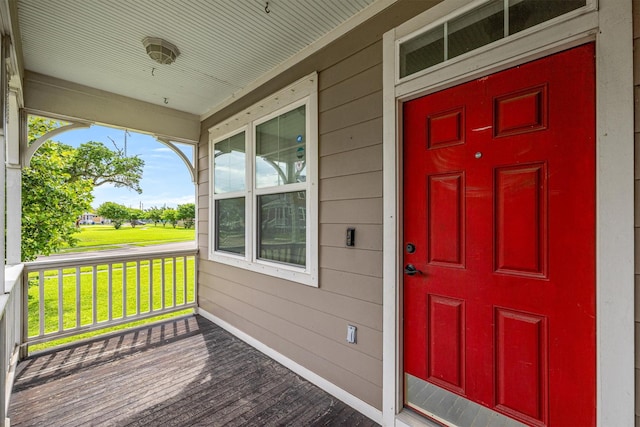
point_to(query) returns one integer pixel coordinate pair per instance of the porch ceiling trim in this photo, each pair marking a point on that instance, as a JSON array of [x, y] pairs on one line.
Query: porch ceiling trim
[[48, 95]]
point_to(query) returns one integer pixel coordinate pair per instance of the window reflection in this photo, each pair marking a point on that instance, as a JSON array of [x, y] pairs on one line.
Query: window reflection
[[230, 225], [229, 164], [283, 227], [281, 149]]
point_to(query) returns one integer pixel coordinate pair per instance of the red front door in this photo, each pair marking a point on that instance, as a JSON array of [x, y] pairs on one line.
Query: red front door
[[499, 222]]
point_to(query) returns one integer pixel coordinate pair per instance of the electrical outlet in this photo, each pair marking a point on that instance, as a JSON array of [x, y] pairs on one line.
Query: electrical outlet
[[351, 334]]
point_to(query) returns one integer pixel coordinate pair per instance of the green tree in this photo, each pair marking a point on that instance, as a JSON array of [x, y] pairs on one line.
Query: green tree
[[154, 214], [52, 201], [170, 215], [57, 187], [187, 213], [134, 216], [101, 165], [118, 214]]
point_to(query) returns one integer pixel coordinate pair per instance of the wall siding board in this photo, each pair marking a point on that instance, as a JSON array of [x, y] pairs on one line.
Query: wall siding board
[[358, 111], [357, 87], [361, 135], [364, 288], [361, 312], [352, 66], [368, 159], [360, 211], [316, 322], [367, 263], [360, 186]]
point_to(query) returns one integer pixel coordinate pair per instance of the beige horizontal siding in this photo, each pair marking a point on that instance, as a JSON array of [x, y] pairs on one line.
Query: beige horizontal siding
[[355, 211], [365, 288], [328, 326], [351, 187], [357, 87], [361, 312], [356, 161], [370, 56], [360, 110], [361, 135]]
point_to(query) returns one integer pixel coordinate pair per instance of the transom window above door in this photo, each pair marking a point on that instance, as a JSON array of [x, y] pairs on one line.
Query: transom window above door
[[470, 28]]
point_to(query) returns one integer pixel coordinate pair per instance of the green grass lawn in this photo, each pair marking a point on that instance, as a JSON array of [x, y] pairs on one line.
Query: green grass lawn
[[100, 237], [123, 295]]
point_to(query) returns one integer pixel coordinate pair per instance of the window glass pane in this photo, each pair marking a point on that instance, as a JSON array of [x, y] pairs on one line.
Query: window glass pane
[[229, 164], [422, 51], [283, 227], [524, 14], [230, 225], [281, 149], [476, 28]]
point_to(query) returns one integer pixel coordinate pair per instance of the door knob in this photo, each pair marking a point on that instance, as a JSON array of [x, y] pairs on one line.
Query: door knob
[[410, 270]]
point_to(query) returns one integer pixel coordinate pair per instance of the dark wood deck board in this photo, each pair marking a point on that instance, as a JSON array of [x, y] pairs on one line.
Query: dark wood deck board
[[186, 372]]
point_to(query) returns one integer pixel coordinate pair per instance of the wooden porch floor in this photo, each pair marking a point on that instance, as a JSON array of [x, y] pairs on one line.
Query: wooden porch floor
[[186, 372]]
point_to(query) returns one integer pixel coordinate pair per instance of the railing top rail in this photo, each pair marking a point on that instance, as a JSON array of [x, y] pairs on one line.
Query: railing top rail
[[87, 260]]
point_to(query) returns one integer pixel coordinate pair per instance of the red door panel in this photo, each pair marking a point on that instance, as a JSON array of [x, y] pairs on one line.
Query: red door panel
[[499, 201]]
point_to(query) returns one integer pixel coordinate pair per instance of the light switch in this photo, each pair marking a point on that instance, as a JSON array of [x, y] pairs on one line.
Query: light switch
[[351, 334]]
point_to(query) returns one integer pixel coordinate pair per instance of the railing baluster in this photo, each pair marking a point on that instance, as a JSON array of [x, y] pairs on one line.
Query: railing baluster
[[94, 305], [124, 290], [162, 282], [60, 301], [150, 285], [41, 301], [110, 290], [78, 295], [184, 283], [137, 288], [174, 281]]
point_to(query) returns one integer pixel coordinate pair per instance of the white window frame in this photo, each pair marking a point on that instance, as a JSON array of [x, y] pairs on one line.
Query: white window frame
[[303, 92]]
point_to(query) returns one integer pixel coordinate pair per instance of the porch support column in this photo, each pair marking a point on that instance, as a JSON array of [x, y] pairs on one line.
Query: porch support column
[[14, 181], [4, 50]]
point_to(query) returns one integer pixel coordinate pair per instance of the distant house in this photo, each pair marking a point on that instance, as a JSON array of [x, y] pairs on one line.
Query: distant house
[[89, 218]]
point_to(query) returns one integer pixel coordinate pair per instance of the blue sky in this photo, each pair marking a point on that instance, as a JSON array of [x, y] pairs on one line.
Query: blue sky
[[165, 180]]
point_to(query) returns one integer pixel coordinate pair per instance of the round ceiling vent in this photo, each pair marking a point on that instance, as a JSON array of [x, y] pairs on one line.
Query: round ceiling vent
[[160, 50]]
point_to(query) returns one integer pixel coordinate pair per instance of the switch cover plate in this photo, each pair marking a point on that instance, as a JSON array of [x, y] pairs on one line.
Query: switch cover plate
[[351, 334]]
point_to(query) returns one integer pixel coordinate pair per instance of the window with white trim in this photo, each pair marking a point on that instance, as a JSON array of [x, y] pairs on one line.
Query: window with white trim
[[263, 186]]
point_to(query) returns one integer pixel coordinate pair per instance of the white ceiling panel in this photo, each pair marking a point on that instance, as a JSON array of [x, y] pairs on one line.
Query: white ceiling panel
[[224, 44]]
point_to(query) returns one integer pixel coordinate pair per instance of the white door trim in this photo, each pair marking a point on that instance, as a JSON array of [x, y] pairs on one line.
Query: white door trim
[[610, 26]]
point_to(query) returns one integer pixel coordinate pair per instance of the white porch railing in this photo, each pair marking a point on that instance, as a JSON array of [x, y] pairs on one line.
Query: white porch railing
[[10, 331], [66, 297]]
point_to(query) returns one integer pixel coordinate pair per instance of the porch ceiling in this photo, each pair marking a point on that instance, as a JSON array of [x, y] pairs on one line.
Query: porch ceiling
[[225, 45]]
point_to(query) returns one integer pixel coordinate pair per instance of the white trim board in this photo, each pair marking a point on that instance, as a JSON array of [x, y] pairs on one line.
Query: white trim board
[[346, 397], [610, 26]]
